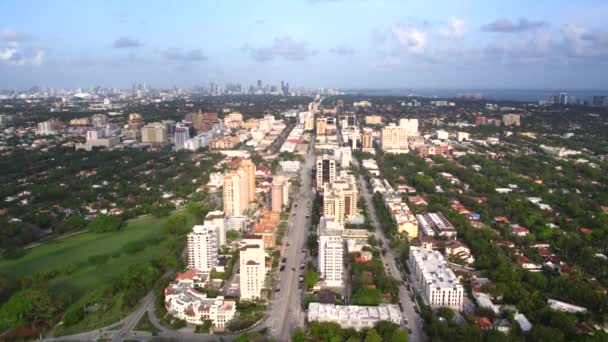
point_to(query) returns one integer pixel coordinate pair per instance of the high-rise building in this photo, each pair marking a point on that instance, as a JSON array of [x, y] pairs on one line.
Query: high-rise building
[[50, 127], [235, 193], [203, 121], [249, 168], [340, 107], [331, 251], [217, 218], [154, 133], [182, 134], [367, 138], [326, 170], [410, 125], [321, 126], [394, 138], [202, 248], [99, 120], [340, 198], [252, 267], [563, 99], [279, 193]]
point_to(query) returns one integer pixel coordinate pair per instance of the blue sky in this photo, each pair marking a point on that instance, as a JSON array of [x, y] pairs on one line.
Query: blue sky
[[313, 43]]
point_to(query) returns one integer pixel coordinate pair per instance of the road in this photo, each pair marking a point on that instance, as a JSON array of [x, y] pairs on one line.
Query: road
[[286, 314], [414, 320]]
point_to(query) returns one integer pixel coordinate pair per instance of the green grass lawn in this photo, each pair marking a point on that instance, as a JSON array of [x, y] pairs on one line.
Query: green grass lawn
[[74, 251]]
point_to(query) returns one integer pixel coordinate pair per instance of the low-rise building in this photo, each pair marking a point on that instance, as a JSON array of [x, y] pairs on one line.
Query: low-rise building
[[352, 316], [183, 301]]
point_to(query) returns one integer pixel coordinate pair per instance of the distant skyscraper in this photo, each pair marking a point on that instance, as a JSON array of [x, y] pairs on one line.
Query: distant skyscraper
[[563, 99], [279, 193]]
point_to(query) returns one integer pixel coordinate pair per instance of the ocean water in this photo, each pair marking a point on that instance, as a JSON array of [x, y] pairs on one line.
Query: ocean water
[[532, 95]]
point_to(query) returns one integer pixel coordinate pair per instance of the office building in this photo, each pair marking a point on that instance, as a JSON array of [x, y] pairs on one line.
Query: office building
[[154, 133], [434, 279], [511, 119], [394, 138], [99, 120], [202, 248], [252, 267], [353, 316], [235, 193], [326, 170], [331, 251], [49, 127]]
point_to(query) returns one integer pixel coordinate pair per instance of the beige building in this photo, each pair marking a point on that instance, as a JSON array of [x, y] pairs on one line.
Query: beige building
[[394, 138], [154, 133], [252, 267], [340, 199], [321, 126], [235, 193], [367, 138], [279, 193], [249, 168], [373, 120], [511, 119]]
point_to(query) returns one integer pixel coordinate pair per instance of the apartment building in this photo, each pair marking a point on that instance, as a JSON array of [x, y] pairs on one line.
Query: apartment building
[[235, 194], [202, 248], [326, 170], [331, 251], [435, 281], [252, 267], [340, 198]]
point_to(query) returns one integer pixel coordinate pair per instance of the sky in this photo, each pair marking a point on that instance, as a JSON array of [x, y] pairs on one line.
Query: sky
[[312, 43]]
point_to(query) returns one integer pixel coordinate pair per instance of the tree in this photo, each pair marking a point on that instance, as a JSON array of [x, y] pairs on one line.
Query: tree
[[71, 223], [31, 306], [311, 279], [176, 224], [385, 329], [372, 336], [299, 336], [399, 336], [105, 223]]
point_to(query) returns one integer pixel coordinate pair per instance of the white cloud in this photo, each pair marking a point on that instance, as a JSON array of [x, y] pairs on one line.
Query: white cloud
[[285, 47], [16, 56], [455, 28], [409, 39]]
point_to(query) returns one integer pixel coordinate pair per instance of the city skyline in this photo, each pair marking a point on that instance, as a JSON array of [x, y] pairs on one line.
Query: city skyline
[[339, 44]]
